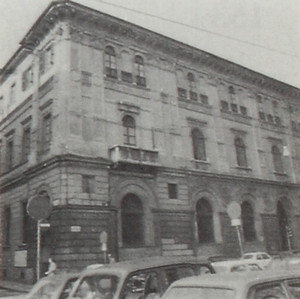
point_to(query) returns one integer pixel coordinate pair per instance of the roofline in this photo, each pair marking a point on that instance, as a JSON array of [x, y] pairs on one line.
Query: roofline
[[58, 3]]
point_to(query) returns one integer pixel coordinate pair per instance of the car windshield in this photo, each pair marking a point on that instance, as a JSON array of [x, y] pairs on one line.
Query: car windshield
[[97, 287], [199, 293]]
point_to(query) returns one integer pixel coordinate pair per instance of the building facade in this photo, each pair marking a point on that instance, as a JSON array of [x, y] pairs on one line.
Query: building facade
[[130, 132]]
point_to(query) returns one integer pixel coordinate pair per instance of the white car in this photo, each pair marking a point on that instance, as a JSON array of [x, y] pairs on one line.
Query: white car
[[235, 266], [261, 258]]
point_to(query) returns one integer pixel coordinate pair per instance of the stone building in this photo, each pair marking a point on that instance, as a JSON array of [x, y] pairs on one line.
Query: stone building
[[130, 132]]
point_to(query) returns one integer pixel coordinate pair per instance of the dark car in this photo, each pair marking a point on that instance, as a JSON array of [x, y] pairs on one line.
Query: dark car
[[137, 279]]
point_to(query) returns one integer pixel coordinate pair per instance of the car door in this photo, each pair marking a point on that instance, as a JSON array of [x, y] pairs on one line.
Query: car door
[[269, 290]]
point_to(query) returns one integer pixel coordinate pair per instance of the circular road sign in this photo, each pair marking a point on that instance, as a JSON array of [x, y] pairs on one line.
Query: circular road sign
[[39, 207], [234, 210]]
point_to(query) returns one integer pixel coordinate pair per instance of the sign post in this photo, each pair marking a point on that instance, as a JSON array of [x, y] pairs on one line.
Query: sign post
[[234, 212], [103, 241], [39, 208]]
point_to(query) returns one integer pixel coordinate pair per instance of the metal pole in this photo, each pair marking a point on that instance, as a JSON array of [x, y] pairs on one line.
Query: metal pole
[[240, 239], [38, 249]]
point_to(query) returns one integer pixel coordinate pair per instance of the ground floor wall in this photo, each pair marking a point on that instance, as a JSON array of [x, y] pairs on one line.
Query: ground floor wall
[[174, 213]]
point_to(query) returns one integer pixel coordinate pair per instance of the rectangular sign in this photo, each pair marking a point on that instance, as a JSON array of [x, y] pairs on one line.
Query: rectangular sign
[[75, 228], [20, 258]]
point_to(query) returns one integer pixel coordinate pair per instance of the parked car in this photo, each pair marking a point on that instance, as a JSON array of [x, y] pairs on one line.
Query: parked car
[[235, 266], [250, 285], [285, 263], [137, 278], [55, 286], [260, 258]]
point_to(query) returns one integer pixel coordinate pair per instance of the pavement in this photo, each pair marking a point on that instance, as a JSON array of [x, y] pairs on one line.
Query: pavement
[[15, 286]]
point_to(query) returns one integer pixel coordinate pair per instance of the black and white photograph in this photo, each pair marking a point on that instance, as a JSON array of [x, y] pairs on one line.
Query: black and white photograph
[[149, 149]]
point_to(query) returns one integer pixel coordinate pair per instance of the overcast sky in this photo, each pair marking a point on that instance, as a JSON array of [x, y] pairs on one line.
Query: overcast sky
[[263, 35]]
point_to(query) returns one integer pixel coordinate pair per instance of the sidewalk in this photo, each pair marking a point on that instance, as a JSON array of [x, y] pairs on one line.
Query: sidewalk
[[16, 286]]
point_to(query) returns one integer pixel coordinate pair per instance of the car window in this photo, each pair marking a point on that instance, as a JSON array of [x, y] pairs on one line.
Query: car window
[[260, 257], [67, 288], [265, 257], [294, 288], [238, 268], [97, 287], [141, 284], [268, 291], [247, 256], [204, 270]]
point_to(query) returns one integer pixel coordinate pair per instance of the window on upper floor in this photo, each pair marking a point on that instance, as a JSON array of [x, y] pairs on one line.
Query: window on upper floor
[[88, 184], [129, 130], [27, 78], [132, 221], [173, 191], [240, 150], [86, 78], [192, 87], [12, 93], [110, 62], [140, 70], [198, 141], [6, 225], [247, 216], [204, 99], [46, 132], [277, 159], [26, 143], [46, 59], [9, 152]]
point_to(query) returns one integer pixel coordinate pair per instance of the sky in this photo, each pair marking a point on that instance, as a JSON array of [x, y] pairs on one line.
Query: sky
[[262, 35]]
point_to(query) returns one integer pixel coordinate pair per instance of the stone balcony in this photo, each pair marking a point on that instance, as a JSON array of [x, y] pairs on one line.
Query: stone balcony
[[133, 155]]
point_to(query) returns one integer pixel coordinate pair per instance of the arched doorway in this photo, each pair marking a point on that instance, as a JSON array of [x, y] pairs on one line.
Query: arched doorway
[[204, 215], [283, 223]]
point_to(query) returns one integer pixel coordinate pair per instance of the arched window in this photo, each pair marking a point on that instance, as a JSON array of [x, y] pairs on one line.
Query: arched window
[[283, 224], [198, 145], [132, 217], [248, 221], [129, 130], [240, 150], [140, 70], [192, 87], [204, 216], [277, 159], [110, 62]]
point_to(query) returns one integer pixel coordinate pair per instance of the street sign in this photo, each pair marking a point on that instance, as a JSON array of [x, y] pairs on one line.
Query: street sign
[[103, 237], [236, 222], [39, 207], [234, 210]]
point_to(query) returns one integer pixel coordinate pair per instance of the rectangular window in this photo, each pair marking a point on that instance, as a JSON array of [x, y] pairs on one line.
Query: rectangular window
[[140, 81], [181, 93], [111, 72], [46, 132], [27, 78], [234, 107], [25, 224], [86, 78], [12, 93], [6, 226], [224, 106], [262, 116], [204, 99], [126, 77], [243, 110], [26, 140], [172, 191], [88, 184], [193, 96], [46, 59], [9, 153], [270, 118], [277, 120]]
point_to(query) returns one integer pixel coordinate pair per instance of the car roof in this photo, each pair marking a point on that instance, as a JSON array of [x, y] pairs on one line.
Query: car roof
[[255, 252], [145, 263], [234, 280]]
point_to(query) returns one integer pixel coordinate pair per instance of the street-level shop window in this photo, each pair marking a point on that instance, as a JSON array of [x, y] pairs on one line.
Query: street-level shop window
[[173, 191], [132, 219], [248, 221], [88, 184], [129, 130], [204, 215], [198, 141], [110, 62]]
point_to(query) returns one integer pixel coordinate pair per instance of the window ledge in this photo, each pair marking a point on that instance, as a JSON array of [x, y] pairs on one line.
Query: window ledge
[[200, 161], [246, 168], [280, 173]]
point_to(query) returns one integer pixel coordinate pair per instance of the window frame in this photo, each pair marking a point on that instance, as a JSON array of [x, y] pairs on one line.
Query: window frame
[[241, 152], [129, 130]]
